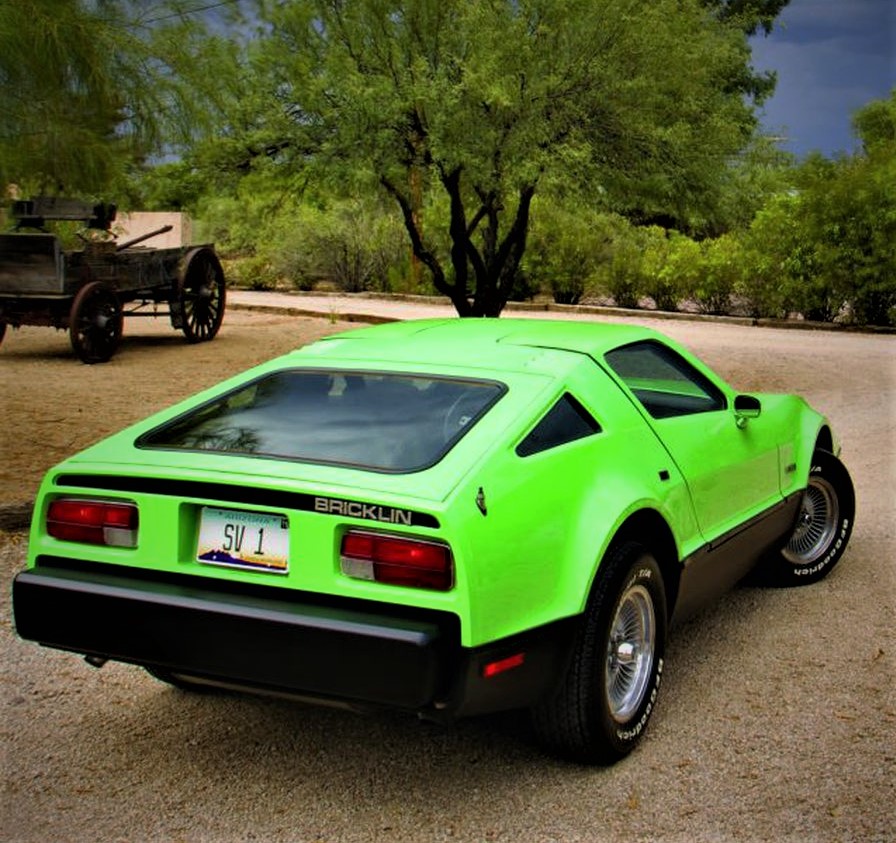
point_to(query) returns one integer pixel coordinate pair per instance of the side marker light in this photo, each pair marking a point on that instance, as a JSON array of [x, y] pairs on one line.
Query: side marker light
[[503, 665]]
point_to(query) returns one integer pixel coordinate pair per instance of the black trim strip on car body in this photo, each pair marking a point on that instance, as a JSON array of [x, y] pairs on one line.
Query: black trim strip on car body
[[251, 496], [718, 565]]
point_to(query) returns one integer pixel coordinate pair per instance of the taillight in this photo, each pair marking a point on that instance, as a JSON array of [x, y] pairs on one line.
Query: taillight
[[93, 522], [397, 560]]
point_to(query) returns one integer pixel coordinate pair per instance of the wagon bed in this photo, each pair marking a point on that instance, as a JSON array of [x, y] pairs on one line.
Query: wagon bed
[[89, 291]]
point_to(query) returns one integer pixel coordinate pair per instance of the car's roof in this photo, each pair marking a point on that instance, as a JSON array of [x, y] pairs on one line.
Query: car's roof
[[500, 344]]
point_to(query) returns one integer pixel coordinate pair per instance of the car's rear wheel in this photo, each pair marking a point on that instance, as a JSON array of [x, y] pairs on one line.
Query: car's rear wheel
[[822, 529], [602, 706]]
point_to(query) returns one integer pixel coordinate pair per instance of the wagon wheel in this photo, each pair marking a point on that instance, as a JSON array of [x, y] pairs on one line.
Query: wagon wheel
[[202, 295], [95, 323]]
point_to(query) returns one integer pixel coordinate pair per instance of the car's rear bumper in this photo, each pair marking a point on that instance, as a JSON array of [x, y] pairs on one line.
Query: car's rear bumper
[[362, 654]]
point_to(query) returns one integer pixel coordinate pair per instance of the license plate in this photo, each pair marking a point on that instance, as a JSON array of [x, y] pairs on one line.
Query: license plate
[[237, 539]]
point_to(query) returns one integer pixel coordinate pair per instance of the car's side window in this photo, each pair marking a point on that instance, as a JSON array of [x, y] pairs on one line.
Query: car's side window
[[565, 422], [663, 381]]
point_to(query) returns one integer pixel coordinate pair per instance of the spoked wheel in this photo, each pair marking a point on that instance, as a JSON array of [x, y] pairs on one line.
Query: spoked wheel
[[822, 530], [95, 323], [601, 708], [202, 295], [630, 653]]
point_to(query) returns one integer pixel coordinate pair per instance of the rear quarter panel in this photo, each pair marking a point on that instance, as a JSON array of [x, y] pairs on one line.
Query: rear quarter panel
[[533, 556]]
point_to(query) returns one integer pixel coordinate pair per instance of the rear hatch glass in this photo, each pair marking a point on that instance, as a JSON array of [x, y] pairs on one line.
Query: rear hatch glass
[[379, 421]]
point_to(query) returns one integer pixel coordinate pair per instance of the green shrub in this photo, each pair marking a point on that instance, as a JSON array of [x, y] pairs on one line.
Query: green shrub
[[353, 244], [564, 248], [623, 278], [356, 246], [766, 285], [719, 274], [660, 278], [254, 272]]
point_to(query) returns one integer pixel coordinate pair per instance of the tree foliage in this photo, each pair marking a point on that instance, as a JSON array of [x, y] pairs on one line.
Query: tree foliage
[[750, 15], [488, 101], [91, 88]]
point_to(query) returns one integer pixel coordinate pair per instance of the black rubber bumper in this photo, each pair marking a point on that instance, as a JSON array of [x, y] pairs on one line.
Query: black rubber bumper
[[259, 640], [362, 654]]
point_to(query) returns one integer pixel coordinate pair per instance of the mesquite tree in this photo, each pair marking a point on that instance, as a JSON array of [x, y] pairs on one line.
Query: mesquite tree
[[487, 100]]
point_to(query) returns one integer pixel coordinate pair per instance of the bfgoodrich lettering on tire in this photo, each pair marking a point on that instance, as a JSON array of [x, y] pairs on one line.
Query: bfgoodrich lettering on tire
[[822, 529], [602, 706]]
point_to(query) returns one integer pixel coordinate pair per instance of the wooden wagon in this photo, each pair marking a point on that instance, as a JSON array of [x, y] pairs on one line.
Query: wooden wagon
[[88, 291]]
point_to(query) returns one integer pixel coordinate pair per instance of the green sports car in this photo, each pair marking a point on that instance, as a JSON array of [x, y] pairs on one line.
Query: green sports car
[[448, 517]]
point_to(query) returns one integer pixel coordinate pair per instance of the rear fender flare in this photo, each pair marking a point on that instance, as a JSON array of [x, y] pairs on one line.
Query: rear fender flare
[[645, 525]]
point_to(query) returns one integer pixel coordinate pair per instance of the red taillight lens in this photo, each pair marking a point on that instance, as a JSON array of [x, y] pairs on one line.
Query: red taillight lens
[[397, 560], [93, 522]]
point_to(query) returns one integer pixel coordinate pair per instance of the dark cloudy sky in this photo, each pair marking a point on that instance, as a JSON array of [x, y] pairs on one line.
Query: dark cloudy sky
[[832, 56]]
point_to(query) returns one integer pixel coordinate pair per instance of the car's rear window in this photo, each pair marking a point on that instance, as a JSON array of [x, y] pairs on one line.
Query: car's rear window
[[378, 421]]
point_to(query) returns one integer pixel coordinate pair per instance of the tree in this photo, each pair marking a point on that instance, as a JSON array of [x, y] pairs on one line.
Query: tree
[[875, 125], [851, 217], [827, 247], [489, 100], [89, 88], [750, 15]]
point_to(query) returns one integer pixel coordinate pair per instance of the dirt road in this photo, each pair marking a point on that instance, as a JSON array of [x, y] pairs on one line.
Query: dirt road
[[777, 719]]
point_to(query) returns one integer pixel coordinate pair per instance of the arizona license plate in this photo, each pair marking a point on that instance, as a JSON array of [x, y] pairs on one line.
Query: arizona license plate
[[239, 539]]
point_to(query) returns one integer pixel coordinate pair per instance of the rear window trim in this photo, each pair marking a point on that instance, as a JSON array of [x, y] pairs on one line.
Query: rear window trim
[[502, 389]]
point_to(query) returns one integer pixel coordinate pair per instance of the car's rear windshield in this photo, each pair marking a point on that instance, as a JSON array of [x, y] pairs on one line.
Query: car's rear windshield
[[391, 422]]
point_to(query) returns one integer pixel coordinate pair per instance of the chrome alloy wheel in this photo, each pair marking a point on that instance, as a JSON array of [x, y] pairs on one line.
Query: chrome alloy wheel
[[630, 653], [816, 524]]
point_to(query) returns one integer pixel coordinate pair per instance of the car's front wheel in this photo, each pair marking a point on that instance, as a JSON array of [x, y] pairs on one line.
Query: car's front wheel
[[822, 529], [602, 706]]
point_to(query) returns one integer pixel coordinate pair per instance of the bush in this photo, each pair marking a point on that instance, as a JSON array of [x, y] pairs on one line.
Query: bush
[[358, 247], [773, 266], [719, 275], [353, 244], [660, 278], [563, 250], [623, 278], [254, 272]]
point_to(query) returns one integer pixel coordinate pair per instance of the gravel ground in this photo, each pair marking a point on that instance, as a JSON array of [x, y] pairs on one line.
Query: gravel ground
[[777, 719]]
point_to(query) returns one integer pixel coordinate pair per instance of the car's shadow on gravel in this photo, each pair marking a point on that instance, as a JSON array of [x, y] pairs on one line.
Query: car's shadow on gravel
[[260, 739]]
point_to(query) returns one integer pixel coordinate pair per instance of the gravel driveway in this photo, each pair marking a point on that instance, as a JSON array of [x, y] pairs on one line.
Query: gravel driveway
[[777, 719]]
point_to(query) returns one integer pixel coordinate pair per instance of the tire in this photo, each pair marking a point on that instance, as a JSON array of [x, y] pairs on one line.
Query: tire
[[602, 706], [822, 529], [95, 323], [202, 295]]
